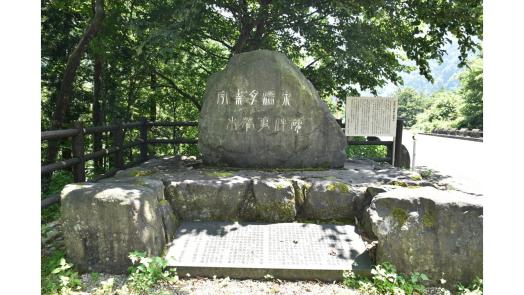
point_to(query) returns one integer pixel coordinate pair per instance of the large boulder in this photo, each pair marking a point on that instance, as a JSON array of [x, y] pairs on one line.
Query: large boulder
[[430, 231], [104, 222], [262, 112]]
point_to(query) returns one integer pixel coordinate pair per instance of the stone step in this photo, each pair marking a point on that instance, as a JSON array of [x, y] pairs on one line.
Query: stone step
[[292, 251]]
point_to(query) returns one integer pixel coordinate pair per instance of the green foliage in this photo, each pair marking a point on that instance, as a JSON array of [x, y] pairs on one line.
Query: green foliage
[[442, 112], [410, 104], [366, 152], [385, 280], [471, 91], [475, 288], [147, 271], [59, 180], [157, 56], [58, 276]]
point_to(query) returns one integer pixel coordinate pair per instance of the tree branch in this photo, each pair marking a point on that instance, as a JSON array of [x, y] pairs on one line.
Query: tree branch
[[230, 47], [186, 95]]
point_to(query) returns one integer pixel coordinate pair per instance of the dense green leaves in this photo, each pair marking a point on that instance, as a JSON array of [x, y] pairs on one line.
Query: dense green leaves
[[343, 47], [471, 91], [462, 108], [410, 104]]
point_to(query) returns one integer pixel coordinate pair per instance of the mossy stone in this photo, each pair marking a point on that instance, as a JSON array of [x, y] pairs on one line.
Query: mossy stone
[[400, 215]]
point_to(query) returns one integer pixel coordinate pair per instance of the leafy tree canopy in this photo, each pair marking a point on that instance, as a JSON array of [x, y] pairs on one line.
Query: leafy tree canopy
[[160, 53], [410, 104], [471, 91]]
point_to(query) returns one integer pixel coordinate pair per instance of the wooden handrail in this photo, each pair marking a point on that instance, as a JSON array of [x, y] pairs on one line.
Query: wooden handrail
[[117, 130], [57, 134]]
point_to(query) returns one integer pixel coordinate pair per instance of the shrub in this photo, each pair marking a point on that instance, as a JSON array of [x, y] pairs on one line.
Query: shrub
[[365, 151], [146, 271], [58, 276], [385, 280]]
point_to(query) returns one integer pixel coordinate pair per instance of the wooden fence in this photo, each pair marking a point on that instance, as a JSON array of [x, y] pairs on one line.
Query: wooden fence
[[79, 157]]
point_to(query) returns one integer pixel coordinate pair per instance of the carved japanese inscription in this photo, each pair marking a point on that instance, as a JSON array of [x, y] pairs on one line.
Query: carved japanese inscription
[[261, 112]]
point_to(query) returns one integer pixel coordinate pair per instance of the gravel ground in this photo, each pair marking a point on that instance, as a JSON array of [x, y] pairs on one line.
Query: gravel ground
[[224, 286]]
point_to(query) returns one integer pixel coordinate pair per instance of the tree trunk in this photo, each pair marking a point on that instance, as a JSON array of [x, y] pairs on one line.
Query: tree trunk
[[97, 110], [66, 86]]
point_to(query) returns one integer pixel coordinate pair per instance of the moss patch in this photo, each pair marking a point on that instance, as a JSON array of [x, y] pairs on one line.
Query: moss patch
[[416, 177], [400, 215], [276, 211], [138, 173], [399, 183], [163, 202], [428, 220], [220, 174], [338, 186], [280, 186]]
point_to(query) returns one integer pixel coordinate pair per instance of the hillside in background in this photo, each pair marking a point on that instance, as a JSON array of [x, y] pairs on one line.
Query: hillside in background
[[444, 74]]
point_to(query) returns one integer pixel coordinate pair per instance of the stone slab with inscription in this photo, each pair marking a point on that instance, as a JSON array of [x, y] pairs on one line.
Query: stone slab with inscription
[[262, 112]]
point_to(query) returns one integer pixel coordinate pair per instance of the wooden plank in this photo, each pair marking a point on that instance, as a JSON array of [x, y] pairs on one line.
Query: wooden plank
[[180, 123], [57, 134], [79, 169], [59, 165], [131, 125], [100, 153], [398, 142], [98, 129], [50, 201], [174, 141], [118, 140], [143, 138]]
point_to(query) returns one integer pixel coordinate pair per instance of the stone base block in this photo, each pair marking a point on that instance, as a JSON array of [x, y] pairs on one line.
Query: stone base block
[[103, 222]]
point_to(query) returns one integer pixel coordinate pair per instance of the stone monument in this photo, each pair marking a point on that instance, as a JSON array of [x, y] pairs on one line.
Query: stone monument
[[262, 112]]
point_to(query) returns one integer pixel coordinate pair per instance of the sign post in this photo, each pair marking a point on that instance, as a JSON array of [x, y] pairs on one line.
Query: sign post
[[372, 116]]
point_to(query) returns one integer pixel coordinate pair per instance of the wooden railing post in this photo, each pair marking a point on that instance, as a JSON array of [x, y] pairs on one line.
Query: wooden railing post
[[79, 170], [118, 140], [175, 145], [398, 142], [389, 153], [143, 138]]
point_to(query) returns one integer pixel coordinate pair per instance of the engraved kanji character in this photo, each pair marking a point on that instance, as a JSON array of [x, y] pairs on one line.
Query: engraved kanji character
[[253, 95], [286, 96], [247, 123], [268, 98], [280, 124], [222, 97], [296, 125], [232, 124], [239, 97], [264, 123]]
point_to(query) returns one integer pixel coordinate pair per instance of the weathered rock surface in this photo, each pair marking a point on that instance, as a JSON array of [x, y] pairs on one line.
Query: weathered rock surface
[[426, 230], [261, 112], [327, 199], [103, 222], [274, 200], [207, 197]]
